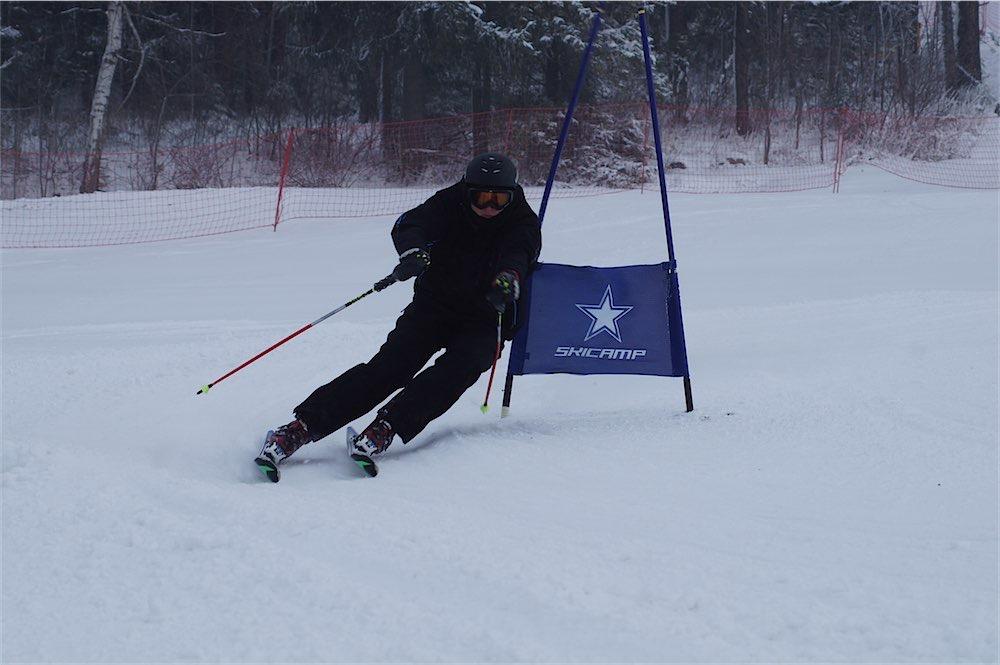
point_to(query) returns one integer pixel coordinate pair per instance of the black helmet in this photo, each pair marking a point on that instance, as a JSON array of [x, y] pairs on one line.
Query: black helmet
[[491, 170]]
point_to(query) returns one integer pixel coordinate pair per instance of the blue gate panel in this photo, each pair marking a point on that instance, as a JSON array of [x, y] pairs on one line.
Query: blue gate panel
[[587, 320]]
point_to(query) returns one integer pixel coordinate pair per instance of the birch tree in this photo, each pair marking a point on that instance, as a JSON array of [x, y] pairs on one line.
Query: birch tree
[[99, 104]]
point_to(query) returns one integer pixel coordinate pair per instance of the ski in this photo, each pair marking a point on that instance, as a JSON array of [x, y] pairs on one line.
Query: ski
[[364, 462], [268, 468]]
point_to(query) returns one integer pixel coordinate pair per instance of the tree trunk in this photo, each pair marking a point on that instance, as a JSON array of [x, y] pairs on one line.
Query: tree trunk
[[388, 86], [414, 88], [368, 82], [390, 131], [906, 49], [99, 104], [414, 104], [879, 56], [794, 82], [798, 116], [822, 134], [948, 43], [741, 55], [553, 79], [911, 42], [771, 52], [677, 43], [482, 88], [833, 63], [969, 63], [482, 92]]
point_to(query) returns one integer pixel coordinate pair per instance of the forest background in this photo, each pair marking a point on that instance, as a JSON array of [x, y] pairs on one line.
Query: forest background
[[136, 75]]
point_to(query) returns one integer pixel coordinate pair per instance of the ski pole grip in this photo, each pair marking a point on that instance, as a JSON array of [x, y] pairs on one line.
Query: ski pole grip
[[384, 283]]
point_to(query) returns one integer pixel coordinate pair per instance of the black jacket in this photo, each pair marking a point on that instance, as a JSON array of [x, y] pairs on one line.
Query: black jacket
[[468, 251]]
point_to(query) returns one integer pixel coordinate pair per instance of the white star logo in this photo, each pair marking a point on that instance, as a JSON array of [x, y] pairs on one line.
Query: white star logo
[[604, 316]]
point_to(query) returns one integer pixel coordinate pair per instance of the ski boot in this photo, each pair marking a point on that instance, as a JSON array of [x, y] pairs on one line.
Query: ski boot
[[279, 444], [374, 440]]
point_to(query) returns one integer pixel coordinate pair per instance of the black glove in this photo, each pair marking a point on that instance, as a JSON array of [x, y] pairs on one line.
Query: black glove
[[412, 262], [506, 288]]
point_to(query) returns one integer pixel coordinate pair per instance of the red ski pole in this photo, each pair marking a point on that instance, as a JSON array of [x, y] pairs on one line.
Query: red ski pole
[[486, 402], [379, 285]]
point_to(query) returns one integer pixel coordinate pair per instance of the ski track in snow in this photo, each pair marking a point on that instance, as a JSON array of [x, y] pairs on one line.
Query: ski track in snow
[[833, 497]]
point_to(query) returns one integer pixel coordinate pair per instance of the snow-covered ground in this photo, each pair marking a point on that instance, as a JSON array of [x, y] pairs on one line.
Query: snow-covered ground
[[833, 497]]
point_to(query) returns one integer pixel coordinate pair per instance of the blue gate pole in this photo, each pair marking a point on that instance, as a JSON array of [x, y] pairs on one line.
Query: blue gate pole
[[651, 92], [569, 115], [581, 75]]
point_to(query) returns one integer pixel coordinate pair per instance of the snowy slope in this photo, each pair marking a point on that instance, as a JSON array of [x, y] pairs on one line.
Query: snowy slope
[[833, 497]]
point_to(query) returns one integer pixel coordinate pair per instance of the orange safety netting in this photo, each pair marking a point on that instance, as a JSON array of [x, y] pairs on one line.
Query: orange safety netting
[[357, 170]]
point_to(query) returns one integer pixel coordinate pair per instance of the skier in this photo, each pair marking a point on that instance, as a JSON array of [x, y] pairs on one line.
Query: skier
[[470, 246]]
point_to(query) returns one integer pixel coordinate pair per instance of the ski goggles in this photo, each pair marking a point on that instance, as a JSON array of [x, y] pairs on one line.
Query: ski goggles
[[489, 198]]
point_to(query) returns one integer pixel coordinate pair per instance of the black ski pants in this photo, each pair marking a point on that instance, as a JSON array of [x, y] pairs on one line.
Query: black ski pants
[[421, 331]]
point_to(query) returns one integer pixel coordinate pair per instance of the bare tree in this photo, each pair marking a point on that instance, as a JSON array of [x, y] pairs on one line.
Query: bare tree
[[948, 40], [482, 90], [906, 53], [774, 15], [99, 104], [367, 74], [969, 63], [742, 55], [677, 42]]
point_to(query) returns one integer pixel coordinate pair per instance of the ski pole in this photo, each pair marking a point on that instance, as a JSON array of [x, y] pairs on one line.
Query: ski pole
[[379, 285], [486, 401]]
